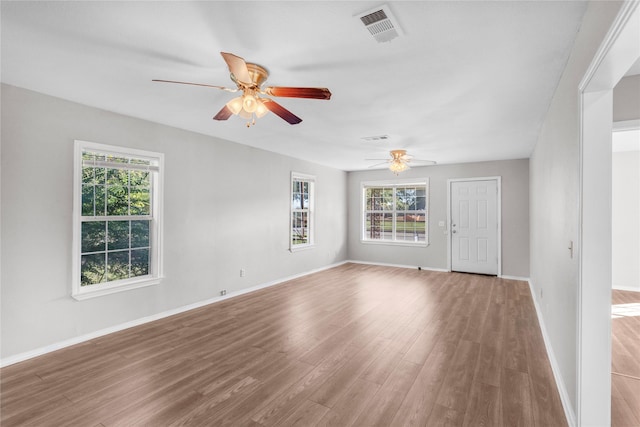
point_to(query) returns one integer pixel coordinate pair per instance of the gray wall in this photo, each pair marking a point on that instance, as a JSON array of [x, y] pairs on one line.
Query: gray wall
[[626, 99], [554, 190], [226, 208], [625, 224], [515, 215]]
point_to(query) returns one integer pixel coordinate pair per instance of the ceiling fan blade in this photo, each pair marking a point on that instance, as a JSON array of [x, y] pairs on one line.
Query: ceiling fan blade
[[223, 114], [280, 111], [380, 160], [196, 84], [299, 92], [378, 164], [423, 162], [237, 67]]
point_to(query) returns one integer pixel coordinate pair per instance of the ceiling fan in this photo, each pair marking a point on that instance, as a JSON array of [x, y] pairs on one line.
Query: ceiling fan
[[249, 78], [399, 161]]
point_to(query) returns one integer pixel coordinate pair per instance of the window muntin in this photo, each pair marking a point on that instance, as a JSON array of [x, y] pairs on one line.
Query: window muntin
[[395, 213], [302, 220], [117, 218]]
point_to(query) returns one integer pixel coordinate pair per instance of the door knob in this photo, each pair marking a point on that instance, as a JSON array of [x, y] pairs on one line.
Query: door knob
[[453, 231]]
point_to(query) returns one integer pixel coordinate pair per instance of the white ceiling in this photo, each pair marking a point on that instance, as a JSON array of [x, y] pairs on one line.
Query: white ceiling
[[468, 81]]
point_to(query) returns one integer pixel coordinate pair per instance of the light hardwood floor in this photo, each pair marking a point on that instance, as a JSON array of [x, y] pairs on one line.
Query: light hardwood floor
[[625, 359], [354, 345]]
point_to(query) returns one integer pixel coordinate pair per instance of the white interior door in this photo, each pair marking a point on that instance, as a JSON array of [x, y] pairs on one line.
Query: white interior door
[[474, 226]]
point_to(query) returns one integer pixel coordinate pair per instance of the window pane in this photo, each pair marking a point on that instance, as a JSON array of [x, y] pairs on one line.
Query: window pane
[[117, 265], [139, 178], [140, 199], [118, 177], [299, 232], [92, 200], [118, 235], [88, 200], [93, 236], [92, 269], [379, 226], [139, 262], [88, 175], [140, 234], [421, 203], [410, 227], [379, 199], [117, 200]]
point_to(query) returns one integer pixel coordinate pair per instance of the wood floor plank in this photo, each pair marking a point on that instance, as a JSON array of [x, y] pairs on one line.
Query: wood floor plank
[[352, 345], [516, 399], [419, 401], [454, 393], [484, 407], [351, 405], [441, 416], [625, 363], [382, 408]]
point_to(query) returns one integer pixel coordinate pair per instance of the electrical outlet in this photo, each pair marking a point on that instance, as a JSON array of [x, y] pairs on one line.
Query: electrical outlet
[[223, 292], [242, 272]]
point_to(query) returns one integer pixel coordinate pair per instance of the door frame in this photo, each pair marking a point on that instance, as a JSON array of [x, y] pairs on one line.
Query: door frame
[[616, 54], [498, 180]]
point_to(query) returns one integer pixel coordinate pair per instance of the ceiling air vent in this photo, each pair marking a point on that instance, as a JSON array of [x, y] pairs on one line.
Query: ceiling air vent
[[375, 138], [382, 25]]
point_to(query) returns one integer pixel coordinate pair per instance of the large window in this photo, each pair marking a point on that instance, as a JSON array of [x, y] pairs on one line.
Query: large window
[[302, 200], [117, 209], [395, 213]]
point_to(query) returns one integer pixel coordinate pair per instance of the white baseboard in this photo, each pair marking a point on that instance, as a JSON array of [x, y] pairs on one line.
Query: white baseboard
[[626, 288], [86, 337], [384, 264], [522, 279], [562, 389]]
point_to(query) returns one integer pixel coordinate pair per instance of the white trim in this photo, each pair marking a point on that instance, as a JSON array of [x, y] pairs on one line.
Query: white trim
[[156, 248], [394, 184], [522, 279], [625, 288], [619, 49], [384, 264], [626, 125], [116, 328], [555, 368], [498, 180], [311, 225]]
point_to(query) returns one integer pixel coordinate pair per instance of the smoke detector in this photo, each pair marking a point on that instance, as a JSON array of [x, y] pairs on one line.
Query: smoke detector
[[381, 23]]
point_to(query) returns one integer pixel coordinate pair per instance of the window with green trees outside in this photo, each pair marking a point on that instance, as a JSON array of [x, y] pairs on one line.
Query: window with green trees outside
[[302, 220], [395, 213], [117, 213]]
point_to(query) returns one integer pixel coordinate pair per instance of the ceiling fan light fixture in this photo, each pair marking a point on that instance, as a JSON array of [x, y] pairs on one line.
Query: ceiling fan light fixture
[[261, 109], [398, 166], [235, 105], [249, 103]]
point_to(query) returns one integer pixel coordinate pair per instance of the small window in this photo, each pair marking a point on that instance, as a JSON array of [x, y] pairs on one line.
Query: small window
[[395, 213], [117, 219], [302, 220]]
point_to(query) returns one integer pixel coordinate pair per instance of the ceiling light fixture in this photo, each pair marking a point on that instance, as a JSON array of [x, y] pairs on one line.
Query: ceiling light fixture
[[399, 162]]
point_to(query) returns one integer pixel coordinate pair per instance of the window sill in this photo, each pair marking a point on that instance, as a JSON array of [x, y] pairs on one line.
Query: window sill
[[397, 243], [299, 248], [94, 291]]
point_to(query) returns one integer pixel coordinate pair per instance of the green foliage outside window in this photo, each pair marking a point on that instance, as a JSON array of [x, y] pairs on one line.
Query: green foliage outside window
[[116, 219]]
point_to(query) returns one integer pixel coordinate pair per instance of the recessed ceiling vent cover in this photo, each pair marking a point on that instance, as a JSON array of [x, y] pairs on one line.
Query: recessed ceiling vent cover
[[375, 138], [382, 25]]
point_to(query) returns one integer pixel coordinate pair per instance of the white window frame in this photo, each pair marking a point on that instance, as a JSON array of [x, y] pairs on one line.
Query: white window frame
[[155, 275], [393, 184], [311, 179]]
